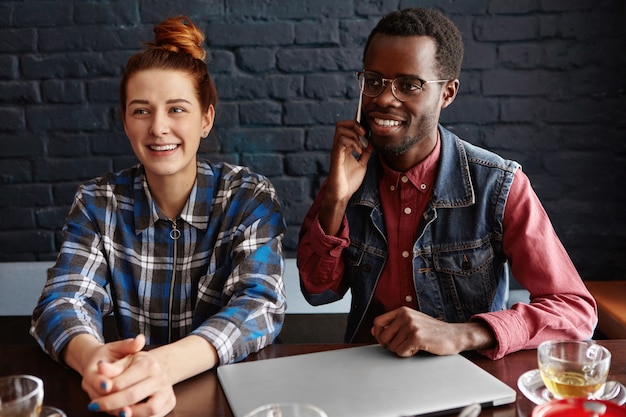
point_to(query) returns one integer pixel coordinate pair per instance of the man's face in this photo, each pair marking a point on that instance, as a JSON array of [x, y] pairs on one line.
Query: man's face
[[408, 128]]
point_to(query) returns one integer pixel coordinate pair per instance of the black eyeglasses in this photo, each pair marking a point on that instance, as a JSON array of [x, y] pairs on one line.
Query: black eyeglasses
[[403, 88]]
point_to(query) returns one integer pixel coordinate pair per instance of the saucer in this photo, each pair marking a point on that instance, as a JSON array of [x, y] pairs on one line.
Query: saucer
[[531, 385]]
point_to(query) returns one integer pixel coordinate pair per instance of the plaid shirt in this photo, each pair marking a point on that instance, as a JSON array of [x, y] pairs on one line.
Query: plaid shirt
[[215, 271]]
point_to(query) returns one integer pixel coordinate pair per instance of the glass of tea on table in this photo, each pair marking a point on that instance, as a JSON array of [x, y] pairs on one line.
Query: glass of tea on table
[[574, 369]]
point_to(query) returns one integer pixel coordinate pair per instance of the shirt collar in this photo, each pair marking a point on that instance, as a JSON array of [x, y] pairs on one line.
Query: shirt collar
[[194, 212], [422, 175], [452, 187]]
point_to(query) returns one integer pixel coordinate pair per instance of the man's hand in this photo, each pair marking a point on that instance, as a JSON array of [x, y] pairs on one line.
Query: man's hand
[[405, 332], [345, 175]]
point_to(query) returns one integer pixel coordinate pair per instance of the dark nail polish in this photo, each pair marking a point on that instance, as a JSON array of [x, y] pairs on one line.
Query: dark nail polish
[[93, 407], [122, 413]]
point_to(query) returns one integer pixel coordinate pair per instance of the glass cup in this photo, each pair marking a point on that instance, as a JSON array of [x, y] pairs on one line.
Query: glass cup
[[47, 411], [572, 369], [20, 396], [286, 410]]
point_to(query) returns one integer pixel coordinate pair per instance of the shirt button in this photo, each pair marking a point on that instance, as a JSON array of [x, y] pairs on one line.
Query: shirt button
[[405, 254], [423, 186], [392, 188], [407, 210], [404, 179], [408, 298]]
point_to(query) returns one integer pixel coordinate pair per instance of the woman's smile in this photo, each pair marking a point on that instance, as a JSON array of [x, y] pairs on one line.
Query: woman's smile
[[163, 148]]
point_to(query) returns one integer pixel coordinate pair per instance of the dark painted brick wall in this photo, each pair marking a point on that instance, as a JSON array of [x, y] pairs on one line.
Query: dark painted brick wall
[[543, 83]]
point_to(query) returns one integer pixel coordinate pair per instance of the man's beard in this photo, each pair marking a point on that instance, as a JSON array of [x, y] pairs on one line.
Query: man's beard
[[396, 150], [421, 126]]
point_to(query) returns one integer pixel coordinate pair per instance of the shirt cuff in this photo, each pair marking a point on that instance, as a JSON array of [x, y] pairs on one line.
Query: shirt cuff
[[509, 329], [327, 245]]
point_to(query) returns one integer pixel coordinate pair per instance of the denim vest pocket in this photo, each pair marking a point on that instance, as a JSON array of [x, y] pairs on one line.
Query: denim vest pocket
[[362, 261], [363, 264], [466, 278]]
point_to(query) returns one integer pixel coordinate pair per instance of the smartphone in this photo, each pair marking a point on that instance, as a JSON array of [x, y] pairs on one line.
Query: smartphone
[[364, 139]]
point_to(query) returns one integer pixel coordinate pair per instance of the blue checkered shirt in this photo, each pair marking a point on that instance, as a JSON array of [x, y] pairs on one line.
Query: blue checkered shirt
[[215, 271]]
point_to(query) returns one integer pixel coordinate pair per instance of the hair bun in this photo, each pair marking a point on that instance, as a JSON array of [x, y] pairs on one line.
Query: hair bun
[[179, 34]]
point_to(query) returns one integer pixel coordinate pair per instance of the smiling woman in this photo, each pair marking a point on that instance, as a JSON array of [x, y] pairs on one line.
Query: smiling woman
[[190, 250], [164, 122], [167, 99]]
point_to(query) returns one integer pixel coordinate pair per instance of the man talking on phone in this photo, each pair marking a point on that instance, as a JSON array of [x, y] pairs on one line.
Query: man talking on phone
[[424, 228]]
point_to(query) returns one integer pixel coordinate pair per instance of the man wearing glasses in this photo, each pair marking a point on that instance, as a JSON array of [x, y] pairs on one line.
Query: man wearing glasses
[[422, 227]]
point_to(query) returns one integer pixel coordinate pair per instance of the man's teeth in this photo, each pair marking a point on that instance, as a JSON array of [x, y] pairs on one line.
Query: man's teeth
[[162, 147], [386, 123]]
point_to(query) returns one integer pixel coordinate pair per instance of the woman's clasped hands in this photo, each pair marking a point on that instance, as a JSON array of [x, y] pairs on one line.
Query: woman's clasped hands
[[121, 379]]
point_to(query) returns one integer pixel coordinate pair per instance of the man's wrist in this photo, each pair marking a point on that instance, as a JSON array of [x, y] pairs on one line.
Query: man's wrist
[[479, 336]]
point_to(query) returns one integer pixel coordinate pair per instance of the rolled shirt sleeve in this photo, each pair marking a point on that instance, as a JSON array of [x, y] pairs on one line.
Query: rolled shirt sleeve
[[560, 304]]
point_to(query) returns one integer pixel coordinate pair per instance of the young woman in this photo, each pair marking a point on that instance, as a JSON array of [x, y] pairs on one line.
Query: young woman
[[191, 251]]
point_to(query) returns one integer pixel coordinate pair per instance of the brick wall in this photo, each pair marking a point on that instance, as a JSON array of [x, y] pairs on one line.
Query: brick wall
[[543, 83]]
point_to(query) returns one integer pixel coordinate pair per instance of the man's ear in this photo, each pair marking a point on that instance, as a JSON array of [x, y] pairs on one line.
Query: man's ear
[[449, 92]]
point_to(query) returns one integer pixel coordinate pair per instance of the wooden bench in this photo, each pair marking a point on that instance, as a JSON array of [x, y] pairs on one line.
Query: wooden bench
[[611, 299]]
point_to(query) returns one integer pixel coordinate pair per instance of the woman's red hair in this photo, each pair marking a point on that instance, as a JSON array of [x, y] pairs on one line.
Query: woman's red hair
[[177, 46]]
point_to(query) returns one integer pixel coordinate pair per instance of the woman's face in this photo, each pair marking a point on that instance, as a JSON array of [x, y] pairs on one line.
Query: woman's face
[[164, 122]]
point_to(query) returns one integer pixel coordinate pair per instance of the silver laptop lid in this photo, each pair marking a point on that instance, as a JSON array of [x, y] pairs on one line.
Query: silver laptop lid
[[363, 381]]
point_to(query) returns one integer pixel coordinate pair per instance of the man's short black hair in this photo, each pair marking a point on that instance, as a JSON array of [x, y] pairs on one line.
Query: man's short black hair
[[426, 22]]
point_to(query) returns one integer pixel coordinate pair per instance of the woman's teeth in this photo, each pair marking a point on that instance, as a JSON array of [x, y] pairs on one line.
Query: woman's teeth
[[386, 123], [163, 147]]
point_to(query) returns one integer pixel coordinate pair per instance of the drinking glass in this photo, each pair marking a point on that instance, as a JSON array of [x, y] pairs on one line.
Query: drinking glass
[[22, 396], [287, 410], [47, 411], [574, 368]]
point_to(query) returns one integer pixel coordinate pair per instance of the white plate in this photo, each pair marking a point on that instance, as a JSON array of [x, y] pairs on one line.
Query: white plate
[[531, 385]]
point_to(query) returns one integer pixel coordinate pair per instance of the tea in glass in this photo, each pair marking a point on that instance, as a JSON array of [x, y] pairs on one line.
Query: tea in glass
[[571, 369]]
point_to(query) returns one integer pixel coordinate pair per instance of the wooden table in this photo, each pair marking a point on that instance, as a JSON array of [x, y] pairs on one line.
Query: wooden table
[[610, 296], [203, 395]]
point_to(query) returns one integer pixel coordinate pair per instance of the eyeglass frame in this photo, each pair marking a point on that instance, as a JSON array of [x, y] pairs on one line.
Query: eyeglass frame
[[386, 81]]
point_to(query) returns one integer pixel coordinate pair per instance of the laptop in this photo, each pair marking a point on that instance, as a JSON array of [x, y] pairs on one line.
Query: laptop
[[363, 381]]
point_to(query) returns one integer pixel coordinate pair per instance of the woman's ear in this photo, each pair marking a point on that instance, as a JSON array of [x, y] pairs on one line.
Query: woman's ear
[[449, 92], [207, 121], [125, 129]]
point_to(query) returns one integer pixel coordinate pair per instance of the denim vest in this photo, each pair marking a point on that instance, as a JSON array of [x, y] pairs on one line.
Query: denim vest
[[459, 267]]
